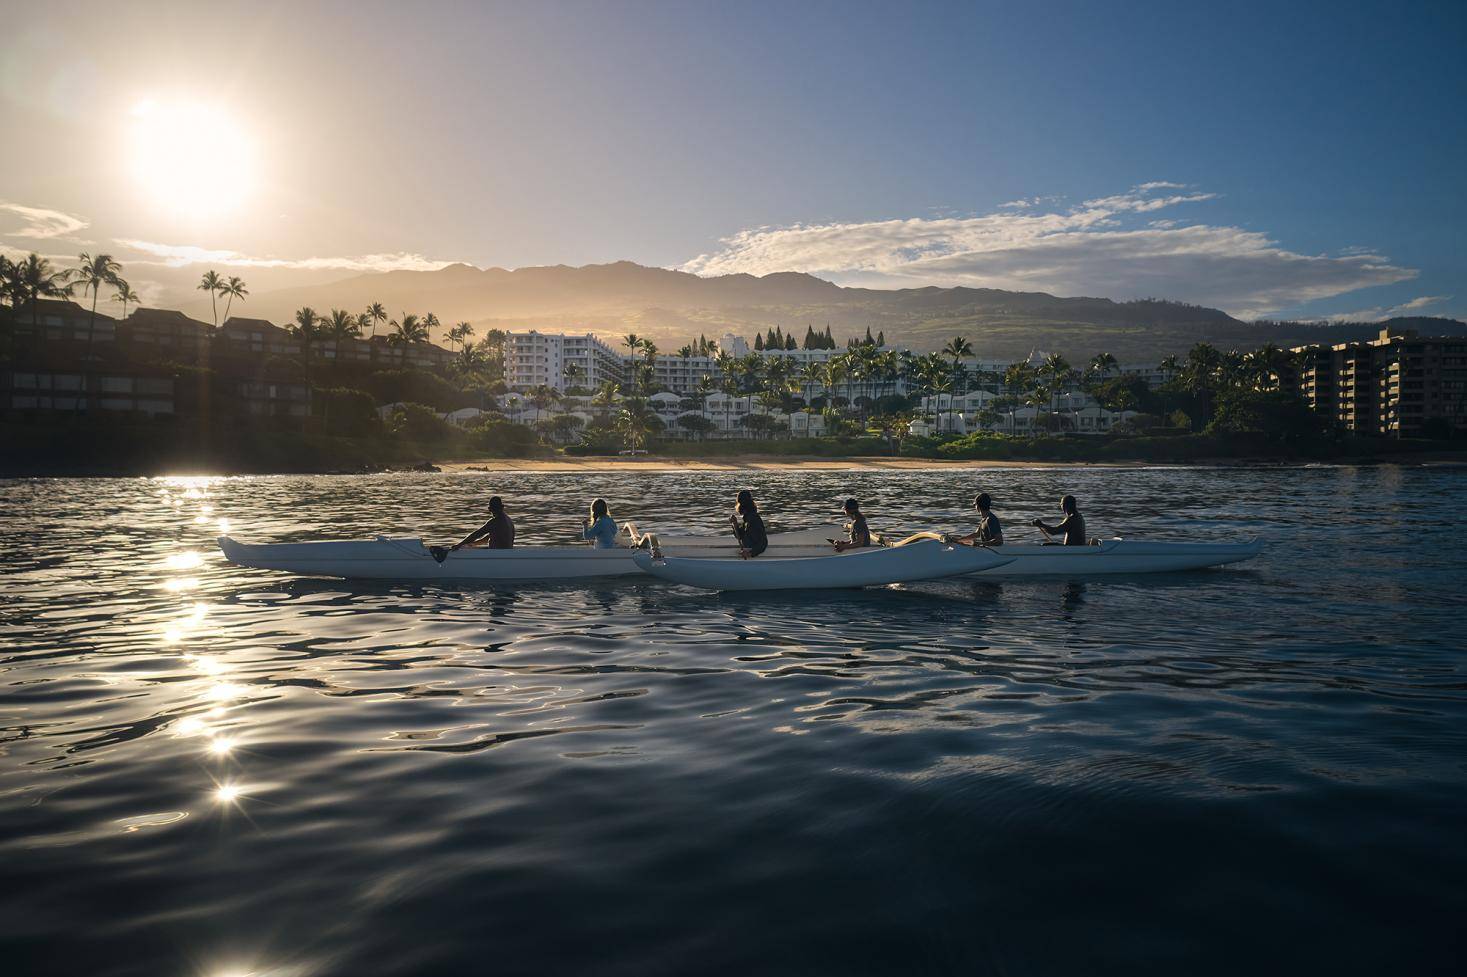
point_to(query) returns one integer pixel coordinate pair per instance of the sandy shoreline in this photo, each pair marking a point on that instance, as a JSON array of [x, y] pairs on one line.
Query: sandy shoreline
[[750, 463], [787, 463]]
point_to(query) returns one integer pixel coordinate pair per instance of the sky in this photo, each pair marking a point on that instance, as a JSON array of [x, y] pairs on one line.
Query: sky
[[1275, 160]]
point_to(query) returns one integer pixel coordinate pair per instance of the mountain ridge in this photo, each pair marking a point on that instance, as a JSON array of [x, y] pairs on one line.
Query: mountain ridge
[[672, 307]]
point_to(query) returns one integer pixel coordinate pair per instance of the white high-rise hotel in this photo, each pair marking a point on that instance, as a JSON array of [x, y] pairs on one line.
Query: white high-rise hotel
[[533, 359]]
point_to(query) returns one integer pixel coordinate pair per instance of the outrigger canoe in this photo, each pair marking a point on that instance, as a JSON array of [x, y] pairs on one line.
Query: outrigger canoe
[[865, 567], [385, 558], [1112, 556]]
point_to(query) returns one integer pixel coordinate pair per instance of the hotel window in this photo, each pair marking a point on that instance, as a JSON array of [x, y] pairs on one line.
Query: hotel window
[[117, 385], [24, 381]]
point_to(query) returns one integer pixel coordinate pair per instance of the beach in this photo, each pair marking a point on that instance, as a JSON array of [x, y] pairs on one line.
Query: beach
[[876, 464], [745, 463]]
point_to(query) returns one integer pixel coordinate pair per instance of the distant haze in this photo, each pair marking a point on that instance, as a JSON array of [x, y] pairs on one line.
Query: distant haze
[[672, 307]]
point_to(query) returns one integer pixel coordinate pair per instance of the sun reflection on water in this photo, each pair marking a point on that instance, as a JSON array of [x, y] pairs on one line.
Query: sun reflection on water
[[187, 560]]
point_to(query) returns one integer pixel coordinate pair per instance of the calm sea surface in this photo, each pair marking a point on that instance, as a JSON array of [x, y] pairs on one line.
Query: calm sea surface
[[207, 770]]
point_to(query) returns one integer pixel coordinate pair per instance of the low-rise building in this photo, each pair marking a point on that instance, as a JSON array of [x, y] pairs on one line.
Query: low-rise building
[[45, 390]]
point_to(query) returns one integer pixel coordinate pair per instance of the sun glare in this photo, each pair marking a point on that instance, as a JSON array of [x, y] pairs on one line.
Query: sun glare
[[191, 159]]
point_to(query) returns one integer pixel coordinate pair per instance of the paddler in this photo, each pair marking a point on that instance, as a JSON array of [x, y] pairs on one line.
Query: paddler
[[748, 526], [858, 533], [989, 531], [496, 534], [600, 529], [1072, 526]]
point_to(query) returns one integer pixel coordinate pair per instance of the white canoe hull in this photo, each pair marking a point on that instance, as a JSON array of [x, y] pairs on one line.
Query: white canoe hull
[[408, 559], [867, 567], [1115, 556]]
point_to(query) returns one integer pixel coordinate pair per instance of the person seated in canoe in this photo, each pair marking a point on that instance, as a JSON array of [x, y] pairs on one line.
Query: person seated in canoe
[[1072, 527], [858, 531], [989, 531], [748, 526], [600, 529], [496, 534]]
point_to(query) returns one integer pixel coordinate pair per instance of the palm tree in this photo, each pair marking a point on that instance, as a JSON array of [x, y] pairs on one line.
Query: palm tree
[[408, 329], [212, 283], [702, 391], [956, 349], [430, 322], [635, 422], [606, 395], [307, 329], [572, 373], [340, 326], [92, 275], [376, 313], [1101, 364], [460, 334], [232, 289], [34, 279], [125, 294], [818, 375]]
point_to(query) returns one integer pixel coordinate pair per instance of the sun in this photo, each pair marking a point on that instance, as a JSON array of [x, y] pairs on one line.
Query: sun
[[190, 159]]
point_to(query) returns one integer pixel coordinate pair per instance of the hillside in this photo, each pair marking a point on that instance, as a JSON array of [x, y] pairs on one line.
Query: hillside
[[671, 307]]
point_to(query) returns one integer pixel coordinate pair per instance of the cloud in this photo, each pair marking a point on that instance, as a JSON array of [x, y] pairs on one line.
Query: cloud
[[183, 255], [41, 222], [1101, 247], [1413, 307]]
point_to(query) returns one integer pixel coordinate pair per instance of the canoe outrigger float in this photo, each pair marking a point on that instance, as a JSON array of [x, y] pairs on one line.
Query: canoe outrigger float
[[1111, 556]]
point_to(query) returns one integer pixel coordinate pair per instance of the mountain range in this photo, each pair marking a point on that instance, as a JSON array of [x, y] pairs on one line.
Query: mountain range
[[673, 307]]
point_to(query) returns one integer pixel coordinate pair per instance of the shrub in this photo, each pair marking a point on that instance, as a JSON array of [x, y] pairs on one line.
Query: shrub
[[347, 412], [1278, 414], [417, 387], [418, 422], [500, 438]]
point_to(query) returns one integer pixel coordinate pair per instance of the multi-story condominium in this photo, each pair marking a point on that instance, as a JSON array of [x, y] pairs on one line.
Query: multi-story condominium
[[534, 359], [1154, 375], [1395, 385], [680, 374]]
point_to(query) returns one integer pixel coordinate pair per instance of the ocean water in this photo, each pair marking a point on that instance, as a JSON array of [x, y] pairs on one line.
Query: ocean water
[[207, 770]]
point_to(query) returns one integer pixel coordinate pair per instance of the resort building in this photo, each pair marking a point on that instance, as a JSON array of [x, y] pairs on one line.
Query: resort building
[[1398, 385], [537, 359], [53, 391]]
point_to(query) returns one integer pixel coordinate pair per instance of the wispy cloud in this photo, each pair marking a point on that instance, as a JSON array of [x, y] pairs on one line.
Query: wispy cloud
[[1416, 306], [183, 255], [40, 222], [1101, 247]]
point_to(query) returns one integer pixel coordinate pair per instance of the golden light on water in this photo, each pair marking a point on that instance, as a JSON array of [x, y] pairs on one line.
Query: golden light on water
[[226, 691], [187, 560], [190, 726], [191, 158], [227, 793]]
